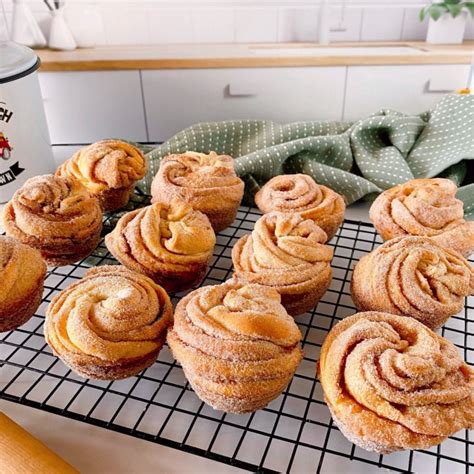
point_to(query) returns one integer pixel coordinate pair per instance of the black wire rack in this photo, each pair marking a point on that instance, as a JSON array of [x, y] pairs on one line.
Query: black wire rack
[[295, 433]]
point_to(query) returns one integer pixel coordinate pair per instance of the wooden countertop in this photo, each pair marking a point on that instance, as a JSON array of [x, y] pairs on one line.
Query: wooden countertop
[[193, 56]]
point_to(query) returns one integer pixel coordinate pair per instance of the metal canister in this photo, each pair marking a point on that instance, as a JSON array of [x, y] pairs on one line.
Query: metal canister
[[25, 147]]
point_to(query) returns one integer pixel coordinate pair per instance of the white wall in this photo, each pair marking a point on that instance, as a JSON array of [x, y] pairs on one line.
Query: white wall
[[186, 21]]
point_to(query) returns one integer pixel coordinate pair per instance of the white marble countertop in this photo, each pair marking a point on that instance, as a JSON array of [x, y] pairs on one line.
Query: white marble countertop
[[94, 450]]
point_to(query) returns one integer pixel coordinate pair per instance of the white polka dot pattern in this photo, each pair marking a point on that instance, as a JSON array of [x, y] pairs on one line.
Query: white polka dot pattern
[[366, 157]]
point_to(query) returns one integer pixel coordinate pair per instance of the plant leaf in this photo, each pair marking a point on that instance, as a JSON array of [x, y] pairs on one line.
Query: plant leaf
[[422, 14], [437, 10], [455, 10], [452, 2], [470, 7]]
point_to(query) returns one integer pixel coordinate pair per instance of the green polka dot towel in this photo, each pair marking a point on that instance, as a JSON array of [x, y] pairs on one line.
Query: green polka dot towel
[[357, 159]]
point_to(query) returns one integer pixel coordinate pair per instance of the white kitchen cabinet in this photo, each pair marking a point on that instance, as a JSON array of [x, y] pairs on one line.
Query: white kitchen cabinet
[[176, 99], [408, 89], [61, 153], [82, 107]]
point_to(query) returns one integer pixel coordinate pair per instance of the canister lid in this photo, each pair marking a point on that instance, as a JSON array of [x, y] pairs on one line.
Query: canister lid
[[16, 61]]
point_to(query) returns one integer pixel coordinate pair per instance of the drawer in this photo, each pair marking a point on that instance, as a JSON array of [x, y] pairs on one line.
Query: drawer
[[176, 99], [407, 89], [82, 107]]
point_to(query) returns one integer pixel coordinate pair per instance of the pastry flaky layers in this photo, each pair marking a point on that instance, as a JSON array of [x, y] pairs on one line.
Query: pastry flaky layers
[[108, 170], [300, 193], [22, 273], [392, 384], [287, 253], [56, 216], [170, 243], [413, 276], [424, 207], [207, 182], [237, 345], [109, 325]]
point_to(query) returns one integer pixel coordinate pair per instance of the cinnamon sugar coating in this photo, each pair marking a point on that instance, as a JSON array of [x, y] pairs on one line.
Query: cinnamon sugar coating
[[413, 276], [287, 253], [170, 243], [22, 273], [424, 207], [300, 193], [108, 169], [109, 325], [57, 217], [237, 345], [393, 384], [207, 182]]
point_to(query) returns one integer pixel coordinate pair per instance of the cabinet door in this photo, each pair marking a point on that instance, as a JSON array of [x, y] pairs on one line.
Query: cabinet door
[[407, 89], [176, 99], [61, 153], [83, 107]]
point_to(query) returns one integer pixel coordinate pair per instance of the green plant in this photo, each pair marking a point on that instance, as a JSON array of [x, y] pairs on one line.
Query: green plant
[[453, 7]]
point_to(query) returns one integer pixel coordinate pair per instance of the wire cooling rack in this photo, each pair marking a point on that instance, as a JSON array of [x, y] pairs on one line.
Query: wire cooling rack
[[295, 433]]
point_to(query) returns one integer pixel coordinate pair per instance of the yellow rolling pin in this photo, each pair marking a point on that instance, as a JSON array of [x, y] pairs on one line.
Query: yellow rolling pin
[[22, 453]]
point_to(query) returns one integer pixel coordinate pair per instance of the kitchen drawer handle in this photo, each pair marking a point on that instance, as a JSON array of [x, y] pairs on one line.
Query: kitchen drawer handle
[[434, 86], [236, 91]]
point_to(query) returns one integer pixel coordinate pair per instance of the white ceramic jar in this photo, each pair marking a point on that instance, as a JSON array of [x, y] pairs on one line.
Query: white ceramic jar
[[25, 148]]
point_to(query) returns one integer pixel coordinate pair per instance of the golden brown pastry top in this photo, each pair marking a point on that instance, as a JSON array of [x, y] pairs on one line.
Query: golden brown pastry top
[[112, 314], [299, 193], [108, 164], [283, 249], [413, 276], [199, 170], [392, 382], [235, 321], [172, 235], [418, 207], [50, 207], [197, 176], [22, 270]]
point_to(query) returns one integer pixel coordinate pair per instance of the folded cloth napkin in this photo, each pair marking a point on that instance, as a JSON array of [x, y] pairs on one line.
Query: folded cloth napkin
[[357, 159]]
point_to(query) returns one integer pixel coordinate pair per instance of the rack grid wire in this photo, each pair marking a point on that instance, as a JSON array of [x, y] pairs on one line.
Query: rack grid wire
[[295, 433]]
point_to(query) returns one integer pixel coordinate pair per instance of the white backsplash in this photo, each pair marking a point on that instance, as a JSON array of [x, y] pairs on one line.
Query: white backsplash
[[243, 21]]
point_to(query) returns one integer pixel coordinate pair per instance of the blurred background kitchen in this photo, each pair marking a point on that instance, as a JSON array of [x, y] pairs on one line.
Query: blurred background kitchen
[[145, 70]]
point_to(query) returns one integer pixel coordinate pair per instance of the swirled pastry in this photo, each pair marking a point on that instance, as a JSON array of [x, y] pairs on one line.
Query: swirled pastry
[[392, 384], [56, 216], [287, 253], [170, 243], [413, 276], [109, 325], [237, 345], [207, 182], [22, 272], [300, 193], [425, 207], [108, 170]]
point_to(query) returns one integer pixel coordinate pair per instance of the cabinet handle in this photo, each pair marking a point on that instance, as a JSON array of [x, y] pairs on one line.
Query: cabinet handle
[[439, 86], [236, 91]]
